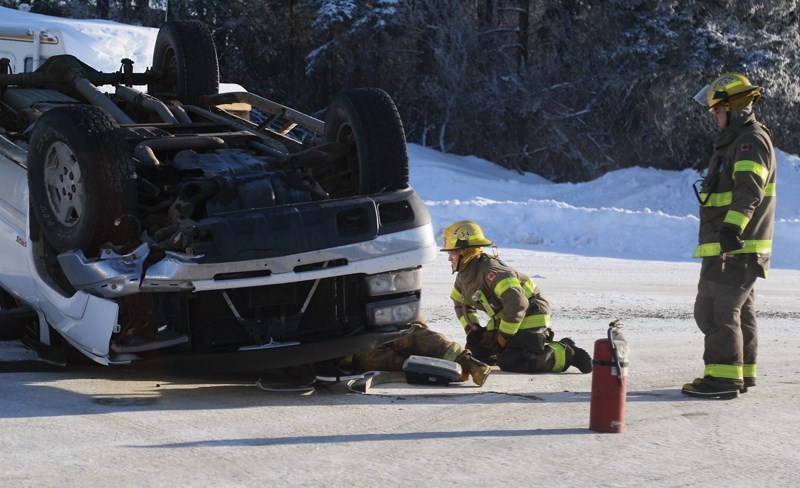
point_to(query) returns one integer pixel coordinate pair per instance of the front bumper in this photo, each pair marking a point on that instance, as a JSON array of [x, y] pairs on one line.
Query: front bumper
[[117, 276], [255, 360]]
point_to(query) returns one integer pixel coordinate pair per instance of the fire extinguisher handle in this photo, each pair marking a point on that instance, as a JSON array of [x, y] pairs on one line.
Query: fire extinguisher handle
[[612, 327]]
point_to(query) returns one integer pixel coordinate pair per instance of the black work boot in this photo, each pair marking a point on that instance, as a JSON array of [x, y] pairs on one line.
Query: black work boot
[[712, 388], [749, 381], [472, 367], [580, 358]]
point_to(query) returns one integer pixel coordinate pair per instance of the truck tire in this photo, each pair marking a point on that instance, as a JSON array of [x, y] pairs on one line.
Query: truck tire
[[81, 181], [185, 59], [367, 122]]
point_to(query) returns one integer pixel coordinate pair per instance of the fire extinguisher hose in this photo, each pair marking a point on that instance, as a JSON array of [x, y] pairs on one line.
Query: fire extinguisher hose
[[614, 327]]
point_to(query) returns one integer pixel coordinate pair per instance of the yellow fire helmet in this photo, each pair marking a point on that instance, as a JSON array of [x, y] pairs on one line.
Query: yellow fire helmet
[[462, 235], [732, 89]]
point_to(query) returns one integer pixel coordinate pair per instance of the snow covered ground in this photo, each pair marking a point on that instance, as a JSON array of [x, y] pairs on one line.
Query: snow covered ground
[[98, 426], [618, 247]]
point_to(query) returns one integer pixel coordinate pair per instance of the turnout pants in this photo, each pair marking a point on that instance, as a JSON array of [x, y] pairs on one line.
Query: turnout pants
[[527, 351], [422, 341], [725, 312]]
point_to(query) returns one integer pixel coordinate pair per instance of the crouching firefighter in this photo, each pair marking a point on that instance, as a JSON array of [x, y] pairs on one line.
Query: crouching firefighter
[[517, 336]]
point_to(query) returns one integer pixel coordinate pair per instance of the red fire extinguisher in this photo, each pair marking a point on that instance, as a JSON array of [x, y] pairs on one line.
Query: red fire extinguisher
[[609, 382]]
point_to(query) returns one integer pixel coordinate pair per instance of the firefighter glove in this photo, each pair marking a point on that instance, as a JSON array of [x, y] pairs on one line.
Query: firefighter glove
[[474, 333], [729, 239]]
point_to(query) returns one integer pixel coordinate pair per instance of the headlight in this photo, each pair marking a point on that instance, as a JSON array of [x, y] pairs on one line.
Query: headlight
[[400, 311], [394, 282]]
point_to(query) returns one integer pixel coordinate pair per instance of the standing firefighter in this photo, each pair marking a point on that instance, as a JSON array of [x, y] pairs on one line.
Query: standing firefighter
[[737, 213], [518, 334]]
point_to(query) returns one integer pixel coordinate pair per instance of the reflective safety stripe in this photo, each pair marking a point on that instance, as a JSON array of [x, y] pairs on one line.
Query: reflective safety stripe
[[470, 318], [529, 322], [716, 199], [752, 167], [529, 288], [731, 85], [510, 328], [453, 352], [505, 284], [727, 371], [749, 371], [480, 297], [560, 356], [457, 296], [738, 219], [725, 198], [750, 247], [534, 321]]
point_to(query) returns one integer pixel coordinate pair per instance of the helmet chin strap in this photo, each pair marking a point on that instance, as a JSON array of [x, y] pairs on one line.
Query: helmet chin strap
[[457, 267]]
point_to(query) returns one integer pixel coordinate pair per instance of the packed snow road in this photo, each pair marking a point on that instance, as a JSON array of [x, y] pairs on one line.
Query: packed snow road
[[96, 426]]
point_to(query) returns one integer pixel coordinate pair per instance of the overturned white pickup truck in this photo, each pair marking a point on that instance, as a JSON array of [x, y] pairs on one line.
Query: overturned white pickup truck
[[161, 226]]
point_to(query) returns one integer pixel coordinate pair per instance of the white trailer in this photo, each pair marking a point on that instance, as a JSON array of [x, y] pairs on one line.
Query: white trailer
[[26, 48]]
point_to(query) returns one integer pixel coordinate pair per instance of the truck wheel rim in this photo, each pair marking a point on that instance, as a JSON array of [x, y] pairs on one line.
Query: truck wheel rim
[[64, 183]]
